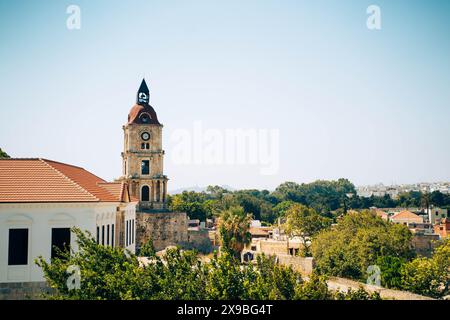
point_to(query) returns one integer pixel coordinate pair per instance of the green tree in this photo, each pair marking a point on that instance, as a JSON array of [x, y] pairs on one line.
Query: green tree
[[3, 154], [437, 199], [233, 228], [304, 222], [410, 199], [356, 242], [147, 250], [106, 272], [216, 192], [429, 276], [391, 271], [113, 274], [281, 208], [193, 203], [323, 196]]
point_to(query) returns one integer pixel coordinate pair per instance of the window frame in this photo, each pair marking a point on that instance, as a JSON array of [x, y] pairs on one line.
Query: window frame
[[148, 193], [148, 167], [53, 253], [27, 255]]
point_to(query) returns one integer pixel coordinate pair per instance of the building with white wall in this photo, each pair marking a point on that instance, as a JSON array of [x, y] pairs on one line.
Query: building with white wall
[[40, 200], [435, 214]]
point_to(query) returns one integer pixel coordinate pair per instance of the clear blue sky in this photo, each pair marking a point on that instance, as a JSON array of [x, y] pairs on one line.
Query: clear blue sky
[[371, 106]]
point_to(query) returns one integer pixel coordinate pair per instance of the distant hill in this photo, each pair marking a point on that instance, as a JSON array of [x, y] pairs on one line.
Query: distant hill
[[197, 189]]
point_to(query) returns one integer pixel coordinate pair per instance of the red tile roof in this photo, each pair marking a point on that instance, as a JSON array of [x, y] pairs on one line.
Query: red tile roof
[[407, 215], [42, 180], [137, 110], [259, 231]]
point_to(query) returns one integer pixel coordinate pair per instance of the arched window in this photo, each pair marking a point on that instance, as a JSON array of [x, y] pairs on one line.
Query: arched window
[[145, 193]]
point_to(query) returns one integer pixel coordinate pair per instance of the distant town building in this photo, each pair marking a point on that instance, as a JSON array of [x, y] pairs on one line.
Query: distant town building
[[435, 215], [255, 223], [406, 217], [194, 224], [260, 233], [393, 191], [443, 228]]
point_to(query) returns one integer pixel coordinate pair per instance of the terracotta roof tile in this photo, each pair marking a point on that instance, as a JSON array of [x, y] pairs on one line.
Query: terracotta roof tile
[[137, 110], [407, 215], [41, 180], [256, 231]]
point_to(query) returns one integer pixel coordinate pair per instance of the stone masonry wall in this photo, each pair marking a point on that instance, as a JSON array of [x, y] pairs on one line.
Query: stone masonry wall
[[200, 240], [23, 290], [343, 285], [305, 265], [164, 228]]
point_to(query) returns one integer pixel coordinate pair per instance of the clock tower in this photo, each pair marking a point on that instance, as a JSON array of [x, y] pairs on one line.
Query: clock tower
[[143, 156]]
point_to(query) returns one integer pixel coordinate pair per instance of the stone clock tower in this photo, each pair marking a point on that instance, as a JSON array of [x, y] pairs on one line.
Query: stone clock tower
[[143, 156]]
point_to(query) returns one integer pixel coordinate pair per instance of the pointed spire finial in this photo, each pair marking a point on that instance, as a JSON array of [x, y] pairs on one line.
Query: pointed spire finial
[[143, 95]]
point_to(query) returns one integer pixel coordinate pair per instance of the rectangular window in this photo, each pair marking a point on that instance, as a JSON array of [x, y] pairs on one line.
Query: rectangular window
[[98, 234], [18, 247], [103, 235], [133, 234], [131, 231], [145, 167], [126, 235], [107, 235], [60, 241], [112, 235]]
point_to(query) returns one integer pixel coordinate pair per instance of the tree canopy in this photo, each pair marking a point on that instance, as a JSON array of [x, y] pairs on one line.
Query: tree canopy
[[356, 242], [328, 198], [108, 273], [304, 222], [233, 229]]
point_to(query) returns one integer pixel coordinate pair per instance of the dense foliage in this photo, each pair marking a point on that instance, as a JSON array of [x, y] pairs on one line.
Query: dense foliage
[[356, 242], [361, 239], [428, 276], [304, 223], [3, 154], [328, 198], [112, 273], [233, 229]]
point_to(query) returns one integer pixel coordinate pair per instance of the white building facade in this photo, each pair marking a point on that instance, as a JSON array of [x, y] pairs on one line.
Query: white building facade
[[38, 209]]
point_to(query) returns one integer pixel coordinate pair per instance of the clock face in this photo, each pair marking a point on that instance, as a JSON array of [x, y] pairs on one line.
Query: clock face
[[145, 136], [143, 97]]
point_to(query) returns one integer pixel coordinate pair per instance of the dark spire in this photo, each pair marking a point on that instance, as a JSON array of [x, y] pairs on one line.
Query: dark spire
[[143, 95]]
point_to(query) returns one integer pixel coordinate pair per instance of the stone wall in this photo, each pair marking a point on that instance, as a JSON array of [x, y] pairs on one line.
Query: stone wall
[[164, 228], [270, 246], [424, 244], [200, 240], [301, 264], [343, 285], [23, 290]]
